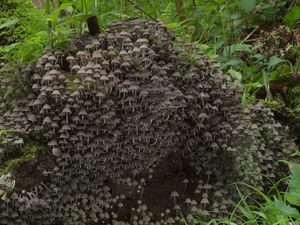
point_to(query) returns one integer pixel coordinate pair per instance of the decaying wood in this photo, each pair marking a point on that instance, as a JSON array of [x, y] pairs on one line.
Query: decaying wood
[[93, 25]]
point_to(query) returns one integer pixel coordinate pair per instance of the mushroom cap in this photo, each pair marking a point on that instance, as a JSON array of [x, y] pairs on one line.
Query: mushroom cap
[[57, 152], [174, 194]]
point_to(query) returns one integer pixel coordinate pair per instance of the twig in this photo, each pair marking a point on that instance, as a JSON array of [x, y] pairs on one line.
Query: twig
[[138, 8], [251, 40], [249, 35]]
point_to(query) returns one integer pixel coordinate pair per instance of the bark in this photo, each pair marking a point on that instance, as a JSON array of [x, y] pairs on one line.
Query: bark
[[180, 9], [93, 25]]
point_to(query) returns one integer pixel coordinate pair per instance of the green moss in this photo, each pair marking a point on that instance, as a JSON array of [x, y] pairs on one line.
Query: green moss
[[273, 104], [294, 95], [71, 86], [6, 132], [71, 76], [4, 136], [7, 166], [136, 64], [30, 150]]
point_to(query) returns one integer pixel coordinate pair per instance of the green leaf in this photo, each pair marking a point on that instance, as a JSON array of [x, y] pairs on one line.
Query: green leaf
[[291, 18], [210, 8], [232, 16], [293, 195], [65, 6], [293, 198], [237, 48], [281, 208], [274, 61], [68, 7], [203, 47], [257, 46], [9, 91], [235, 75], [232, 62], [9, 48], [172, 26], [240, 47], [247, 5], [258, 57], [9, 23], [262, 215], [43, 34]]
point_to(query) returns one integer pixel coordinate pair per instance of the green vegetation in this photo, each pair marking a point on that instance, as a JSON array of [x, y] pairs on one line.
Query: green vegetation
[[29, 152], [279, 208], [272, 207], [21, 31], [7, 166], [256, 41]]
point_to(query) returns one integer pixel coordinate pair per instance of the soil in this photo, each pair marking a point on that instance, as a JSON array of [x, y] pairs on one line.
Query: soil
[[167, 177], [29, 173]]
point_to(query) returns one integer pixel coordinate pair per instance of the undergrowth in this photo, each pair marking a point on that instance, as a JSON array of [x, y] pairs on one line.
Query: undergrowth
[[264, 208]]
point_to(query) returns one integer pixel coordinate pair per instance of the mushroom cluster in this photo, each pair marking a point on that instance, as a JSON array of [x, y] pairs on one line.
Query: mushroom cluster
[[10, 145], [121, 103]]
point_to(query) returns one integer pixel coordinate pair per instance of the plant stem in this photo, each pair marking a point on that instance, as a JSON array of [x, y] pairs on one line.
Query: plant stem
[[180, 10], [140, 9]]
